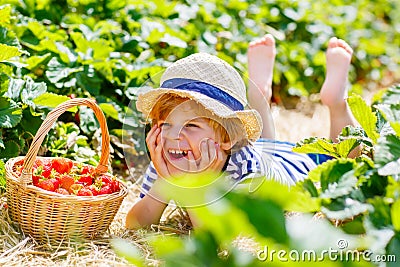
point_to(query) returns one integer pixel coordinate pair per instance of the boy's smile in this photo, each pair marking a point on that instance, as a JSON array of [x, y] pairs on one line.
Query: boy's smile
[[183, 132]]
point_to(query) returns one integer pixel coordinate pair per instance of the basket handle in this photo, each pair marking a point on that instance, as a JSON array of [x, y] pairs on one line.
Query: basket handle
[[53, 115]]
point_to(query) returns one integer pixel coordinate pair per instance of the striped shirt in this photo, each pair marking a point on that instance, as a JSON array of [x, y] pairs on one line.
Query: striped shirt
[[270, 158]]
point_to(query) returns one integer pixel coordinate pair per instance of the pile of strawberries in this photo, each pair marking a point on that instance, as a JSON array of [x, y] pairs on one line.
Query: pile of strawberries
[[65, 177]]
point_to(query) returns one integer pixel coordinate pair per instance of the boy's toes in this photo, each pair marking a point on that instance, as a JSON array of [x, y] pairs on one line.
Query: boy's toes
[[333, 42], [268, 39], [346, 46]]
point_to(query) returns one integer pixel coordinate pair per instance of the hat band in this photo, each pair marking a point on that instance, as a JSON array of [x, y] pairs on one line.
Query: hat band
[[205, 89]]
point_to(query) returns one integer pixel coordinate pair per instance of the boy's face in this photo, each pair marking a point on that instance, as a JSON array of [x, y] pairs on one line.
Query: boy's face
[[184, 130]]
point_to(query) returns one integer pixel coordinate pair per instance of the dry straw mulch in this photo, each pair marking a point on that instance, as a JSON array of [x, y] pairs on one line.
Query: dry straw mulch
[[19, 250]]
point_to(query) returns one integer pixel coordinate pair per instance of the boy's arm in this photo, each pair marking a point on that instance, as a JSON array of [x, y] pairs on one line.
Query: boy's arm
[[146, 211]]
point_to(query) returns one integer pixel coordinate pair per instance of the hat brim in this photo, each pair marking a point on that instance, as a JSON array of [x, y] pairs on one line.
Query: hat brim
[[250, 118]]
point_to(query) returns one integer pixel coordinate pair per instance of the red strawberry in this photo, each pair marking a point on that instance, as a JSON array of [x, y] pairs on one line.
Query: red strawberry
[[56, 182], [115, 186], [62, 191], [105, 190], [106, 179], [46, 170], [37, 163], [66, 181], [42, 170], [94, 189], [85, 192], [62, 165], [47, 185], [35, 179], [86, 180], [87, 169]]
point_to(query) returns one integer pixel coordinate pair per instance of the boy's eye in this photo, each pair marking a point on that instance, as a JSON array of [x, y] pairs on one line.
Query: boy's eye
[[163, 124], [191, 125]]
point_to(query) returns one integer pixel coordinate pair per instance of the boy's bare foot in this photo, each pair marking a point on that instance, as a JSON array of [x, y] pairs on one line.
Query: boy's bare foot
[[338, 57], [261, 57]]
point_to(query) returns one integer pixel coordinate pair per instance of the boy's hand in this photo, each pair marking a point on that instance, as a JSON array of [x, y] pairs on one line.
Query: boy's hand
[[211, 158], [153, 141]]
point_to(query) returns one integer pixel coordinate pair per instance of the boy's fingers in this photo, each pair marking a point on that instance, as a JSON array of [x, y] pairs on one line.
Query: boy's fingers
[[192, 162], [152, 137], [218, 162], [212, 150], [205, 159]]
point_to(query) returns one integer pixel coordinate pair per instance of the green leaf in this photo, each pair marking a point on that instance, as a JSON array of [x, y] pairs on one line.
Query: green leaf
[[256, 208], [364, 115], [5, 15], [30, 123], [8, 37], [309, 186], [58, 71], [88, 121], [316, 145], [331, 171], [374, 184], [11, 149], [351, 132], [345, 208], [390, 96], [324, 146], [35, 60], [89, 80], [173, 41], [109, 110], [342, 187], [174, 244], [396, 127], [81, 43], [343, 148], [10, 113], [391, 113], [14, 89], [354, 227], [2, 176], [393, 251], [7, 52], [387, 155], [51, 100], [395, 214], [32, 90], [1, 140], [380, 216], [308, 233], [129, 251]]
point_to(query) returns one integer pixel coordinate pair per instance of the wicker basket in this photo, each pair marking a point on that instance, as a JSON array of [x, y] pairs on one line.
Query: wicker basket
[[52, 217]]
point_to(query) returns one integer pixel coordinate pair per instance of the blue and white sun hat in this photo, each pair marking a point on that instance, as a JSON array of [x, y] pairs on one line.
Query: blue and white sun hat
[[212, 83]]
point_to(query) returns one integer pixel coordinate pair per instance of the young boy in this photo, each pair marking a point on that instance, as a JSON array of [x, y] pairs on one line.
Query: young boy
[[201, 122]]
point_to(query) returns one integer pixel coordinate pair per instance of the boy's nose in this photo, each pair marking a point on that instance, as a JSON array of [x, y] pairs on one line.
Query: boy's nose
[[173, 133]]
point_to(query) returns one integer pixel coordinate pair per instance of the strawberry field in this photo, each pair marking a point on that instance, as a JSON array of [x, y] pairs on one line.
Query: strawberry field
[[347, 213]]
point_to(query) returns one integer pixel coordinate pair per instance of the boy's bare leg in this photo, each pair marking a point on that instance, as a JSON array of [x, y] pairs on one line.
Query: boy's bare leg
[[261, 57], [334, 92]]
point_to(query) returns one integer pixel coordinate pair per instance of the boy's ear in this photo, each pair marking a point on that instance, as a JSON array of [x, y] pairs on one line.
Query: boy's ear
[[227, 145]]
